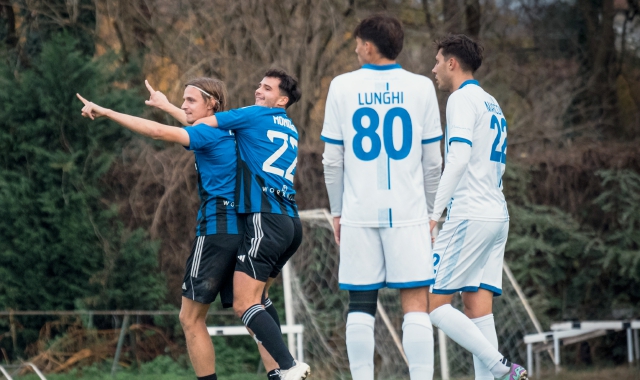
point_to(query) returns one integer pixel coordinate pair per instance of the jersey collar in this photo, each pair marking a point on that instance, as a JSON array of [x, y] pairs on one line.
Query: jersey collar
[[470, 81], [381, 67]]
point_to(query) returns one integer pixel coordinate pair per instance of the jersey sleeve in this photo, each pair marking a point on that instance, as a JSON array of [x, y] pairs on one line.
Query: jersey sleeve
[[432, 131], [199, 137], [238, 118], [461, 117], [331, 128]]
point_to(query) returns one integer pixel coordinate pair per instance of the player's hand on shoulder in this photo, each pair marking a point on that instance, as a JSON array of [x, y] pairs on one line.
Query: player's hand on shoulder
[[156, 98], [90, 109]]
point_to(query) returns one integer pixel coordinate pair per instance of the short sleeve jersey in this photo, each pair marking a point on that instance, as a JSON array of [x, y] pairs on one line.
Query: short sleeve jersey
[[215, 156], [382, 115], [268, 153], [475, 118]]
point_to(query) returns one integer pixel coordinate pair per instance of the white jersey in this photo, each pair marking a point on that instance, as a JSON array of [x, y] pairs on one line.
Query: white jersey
[[474, 117], [382, 115]]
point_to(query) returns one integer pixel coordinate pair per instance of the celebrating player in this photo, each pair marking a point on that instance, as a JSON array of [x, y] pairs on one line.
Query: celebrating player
[[267, 143], [382, 164], [219, 231], [470, 248]]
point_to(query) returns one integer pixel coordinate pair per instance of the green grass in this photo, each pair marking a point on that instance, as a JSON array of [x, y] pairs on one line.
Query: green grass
[[162, 368]]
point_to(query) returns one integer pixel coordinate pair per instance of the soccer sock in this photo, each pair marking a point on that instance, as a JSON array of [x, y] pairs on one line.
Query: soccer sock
[[460, 328], [274, 374], [417, 341], [360, 345], [269, 308], [487, 326], [268, 334], [208, 377]]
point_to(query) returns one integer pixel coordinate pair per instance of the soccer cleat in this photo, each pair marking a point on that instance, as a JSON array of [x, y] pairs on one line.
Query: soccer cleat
[[517, 372], [299, 371]]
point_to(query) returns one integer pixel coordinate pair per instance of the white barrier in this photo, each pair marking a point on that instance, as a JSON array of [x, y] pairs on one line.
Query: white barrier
[[566, 333], [295, 330], [18, 367]]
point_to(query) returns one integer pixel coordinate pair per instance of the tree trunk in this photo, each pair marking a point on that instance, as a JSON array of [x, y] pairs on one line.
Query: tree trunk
[[6, 12], [597, 98], [472, 15], [427, 14], [452, 16]]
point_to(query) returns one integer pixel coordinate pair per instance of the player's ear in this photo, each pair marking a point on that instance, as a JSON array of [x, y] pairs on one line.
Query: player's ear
[[282, 101]]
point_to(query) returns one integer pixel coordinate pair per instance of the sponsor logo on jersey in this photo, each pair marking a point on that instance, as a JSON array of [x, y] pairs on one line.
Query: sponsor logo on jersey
[[494, 108], [282, 193], [184, 286], [241, 257]]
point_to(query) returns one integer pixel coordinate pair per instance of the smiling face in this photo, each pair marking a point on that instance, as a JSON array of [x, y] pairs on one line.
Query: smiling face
[[442, 73], [195, 106], [268, 93]]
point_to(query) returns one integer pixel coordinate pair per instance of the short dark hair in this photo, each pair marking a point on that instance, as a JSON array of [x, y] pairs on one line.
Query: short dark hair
[[464, 49], [384, 31], [288, 85]]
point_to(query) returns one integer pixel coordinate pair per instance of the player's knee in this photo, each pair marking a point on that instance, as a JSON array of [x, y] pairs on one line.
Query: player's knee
[[239, 308], [363, 301], [189, 320]]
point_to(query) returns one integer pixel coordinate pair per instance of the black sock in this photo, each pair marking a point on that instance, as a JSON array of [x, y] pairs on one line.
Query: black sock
[[267, 333], [271, 309], [274, 374], [209, 377]]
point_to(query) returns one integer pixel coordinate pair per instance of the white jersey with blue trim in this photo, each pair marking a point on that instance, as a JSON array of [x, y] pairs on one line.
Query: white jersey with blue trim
[[475, 118], [382, 115]]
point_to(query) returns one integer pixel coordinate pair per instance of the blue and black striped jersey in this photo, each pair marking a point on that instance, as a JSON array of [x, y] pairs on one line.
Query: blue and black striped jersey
[[268, 153], [215, 152]]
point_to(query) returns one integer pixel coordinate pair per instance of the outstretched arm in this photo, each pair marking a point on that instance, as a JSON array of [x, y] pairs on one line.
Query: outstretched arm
[[159, 100], [138, 125]]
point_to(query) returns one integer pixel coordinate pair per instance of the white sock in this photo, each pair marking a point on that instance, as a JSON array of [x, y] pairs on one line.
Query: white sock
[[360, 345], [460, 328], [486, 325], [417, 340]]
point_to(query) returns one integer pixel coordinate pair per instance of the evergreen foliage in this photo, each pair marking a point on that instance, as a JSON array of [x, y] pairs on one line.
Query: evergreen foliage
[[61, 245], [575, 271]]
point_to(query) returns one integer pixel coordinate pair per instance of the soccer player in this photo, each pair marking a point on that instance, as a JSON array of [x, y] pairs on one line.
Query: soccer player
[[219, 230], [470, 248], [382, 164], [267, 143]]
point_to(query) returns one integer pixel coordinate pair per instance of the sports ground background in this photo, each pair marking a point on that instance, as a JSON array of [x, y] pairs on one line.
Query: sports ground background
[[95, 218]]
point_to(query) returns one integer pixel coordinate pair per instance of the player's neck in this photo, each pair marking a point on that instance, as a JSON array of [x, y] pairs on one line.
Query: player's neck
[[380, 61], [460, 79]]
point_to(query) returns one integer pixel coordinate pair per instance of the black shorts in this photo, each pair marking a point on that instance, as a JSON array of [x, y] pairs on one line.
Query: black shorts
[[269, 242], [210, 268]]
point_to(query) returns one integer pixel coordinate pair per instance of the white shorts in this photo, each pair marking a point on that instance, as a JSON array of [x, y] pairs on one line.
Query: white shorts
[[372, 258], [468, 256]]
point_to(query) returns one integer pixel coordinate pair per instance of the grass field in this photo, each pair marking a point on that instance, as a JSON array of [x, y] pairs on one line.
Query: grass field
[[618, 373]]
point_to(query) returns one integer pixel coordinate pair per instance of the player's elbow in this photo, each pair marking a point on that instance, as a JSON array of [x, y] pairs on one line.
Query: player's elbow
[[156, 133]]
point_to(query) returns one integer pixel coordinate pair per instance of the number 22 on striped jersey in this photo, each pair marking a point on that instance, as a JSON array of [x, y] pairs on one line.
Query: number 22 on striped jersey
[[268, 167]]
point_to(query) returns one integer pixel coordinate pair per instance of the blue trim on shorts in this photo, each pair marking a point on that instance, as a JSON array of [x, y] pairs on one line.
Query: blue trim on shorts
[[496, 292], [410, 285], [377, 286]]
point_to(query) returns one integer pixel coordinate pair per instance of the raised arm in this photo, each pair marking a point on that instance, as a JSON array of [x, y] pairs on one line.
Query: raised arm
[[159, 100], [138, 125]]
